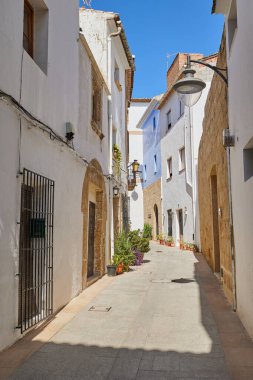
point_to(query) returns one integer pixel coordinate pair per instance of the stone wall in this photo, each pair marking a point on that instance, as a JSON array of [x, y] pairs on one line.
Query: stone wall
[[152, 197], [215, 236]]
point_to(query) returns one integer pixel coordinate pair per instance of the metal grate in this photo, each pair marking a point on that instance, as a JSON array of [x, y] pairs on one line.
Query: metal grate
[[104, 309], [35, 250]]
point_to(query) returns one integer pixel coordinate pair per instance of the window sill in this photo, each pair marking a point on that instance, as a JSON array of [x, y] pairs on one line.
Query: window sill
[[97, 130], [118, 85]]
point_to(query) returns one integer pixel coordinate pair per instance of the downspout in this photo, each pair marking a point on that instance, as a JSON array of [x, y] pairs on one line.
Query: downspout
[[110, 120], [231, 223], [191, 183]]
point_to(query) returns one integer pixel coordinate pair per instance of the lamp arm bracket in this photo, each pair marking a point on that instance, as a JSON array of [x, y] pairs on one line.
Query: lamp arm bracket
[[214, 68]]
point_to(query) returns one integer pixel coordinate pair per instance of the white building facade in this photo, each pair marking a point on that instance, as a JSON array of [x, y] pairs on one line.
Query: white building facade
[[107, 40], [181, 129], [55, 163], [239, 29], [136, 111]]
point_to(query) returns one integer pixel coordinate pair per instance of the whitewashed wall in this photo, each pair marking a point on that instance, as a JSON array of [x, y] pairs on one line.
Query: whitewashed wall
[[54, 99], [239, 58], [136, 111], [180, 192]]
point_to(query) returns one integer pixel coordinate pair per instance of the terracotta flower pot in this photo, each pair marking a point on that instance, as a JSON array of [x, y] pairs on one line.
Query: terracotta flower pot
[[120, 268]]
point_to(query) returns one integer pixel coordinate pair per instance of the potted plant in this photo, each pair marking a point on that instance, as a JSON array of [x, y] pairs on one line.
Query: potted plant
[[111, 270], [168, 241], [160, 237], [123, 255], [134, 238], [143, 246], [147, 231], [181, 244]]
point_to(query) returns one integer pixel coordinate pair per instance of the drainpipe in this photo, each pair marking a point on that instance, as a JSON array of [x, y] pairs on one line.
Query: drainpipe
[[192, 182], [231, 223], [110, 119]]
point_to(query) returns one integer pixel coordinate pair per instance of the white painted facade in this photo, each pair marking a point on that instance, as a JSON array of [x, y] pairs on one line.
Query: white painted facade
[[239, 30], [57, 91], [136, 111], [179, 191], [106, 37]]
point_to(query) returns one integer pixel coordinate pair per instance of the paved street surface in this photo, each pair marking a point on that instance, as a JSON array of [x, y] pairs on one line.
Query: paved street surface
[[155, 329]]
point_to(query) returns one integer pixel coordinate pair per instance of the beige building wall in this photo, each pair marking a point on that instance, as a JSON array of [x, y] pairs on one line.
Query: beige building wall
[[151, 199], [213, 182]]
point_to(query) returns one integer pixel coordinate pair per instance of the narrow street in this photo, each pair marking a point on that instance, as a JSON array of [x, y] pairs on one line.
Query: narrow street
[[155, 329]]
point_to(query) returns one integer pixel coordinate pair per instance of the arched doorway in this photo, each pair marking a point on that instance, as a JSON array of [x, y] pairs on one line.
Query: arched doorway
[[94, 209], [156, 221]]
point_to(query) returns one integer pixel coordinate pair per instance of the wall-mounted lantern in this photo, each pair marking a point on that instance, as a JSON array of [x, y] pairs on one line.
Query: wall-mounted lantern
[[135, 167], [115, 191]]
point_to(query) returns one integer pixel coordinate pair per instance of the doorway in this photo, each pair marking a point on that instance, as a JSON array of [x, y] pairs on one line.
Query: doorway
[[215, 220], [156, 220], [180, 224], [91, 253]]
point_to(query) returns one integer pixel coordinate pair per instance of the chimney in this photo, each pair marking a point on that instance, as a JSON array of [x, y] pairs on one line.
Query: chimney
[[177, 66]]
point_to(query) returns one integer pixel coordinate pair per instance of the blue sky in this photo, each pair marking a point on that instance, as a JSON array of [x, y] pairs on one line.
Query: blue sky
[[155, 28]]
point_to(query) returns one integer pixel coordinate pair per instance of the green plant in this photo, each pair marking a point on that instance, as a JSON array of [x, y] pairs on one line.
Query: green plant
[[160, 237], [143, 245], [117, 159], [122, 251], [147, 231], [134, 238], [170, 239]]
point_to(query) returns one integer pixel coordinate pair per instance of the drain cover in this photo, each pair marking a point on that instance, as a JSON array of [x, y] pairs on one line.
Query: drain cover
[[158, 251], [104, 309], [182, 280]]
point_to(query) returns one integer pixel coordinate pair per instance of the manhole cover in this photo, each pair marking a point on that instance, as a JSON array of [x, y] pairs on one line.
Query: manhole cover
[[182, 280], [158, 251], [104, 309]]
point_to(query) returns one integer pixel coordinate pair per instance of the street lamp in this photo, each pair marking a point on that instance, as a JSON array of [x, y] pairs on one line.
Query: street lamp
[[189, 89], [135, 167]]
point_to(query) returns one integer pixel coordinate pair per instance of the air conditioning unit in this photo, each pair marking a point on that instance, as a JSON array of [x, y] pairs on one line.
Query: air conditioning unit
[[227, 138]]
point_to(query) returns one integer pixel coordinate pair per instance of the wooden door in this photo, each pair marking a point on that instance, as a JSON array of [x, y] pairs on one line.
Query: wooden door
[[92, 209]]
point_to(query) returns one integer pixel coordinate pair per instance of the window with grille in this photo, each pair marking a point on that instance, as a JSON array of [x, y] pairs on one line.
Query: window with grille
[[35, 249]]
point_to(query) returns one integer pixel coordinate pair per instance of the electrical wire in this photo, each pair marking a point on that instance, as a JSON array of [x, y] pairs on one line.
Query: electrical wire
[[52, 134]]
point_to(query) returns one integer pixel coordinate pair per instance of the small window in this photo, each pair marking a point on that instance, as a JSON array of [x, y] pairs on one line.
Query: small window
[[28, 28], [155, 164], [117, 76], [232, 22], [181, 159], [168, 120], [145, 173], [181, 108], [96, 120], [35, 32], [154, 123], [169, 168]]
